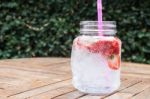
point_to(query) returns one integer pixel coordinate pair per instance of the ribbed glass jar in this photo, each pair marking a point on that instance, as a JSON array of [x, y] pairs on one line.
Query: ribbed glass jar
[[96, 58]]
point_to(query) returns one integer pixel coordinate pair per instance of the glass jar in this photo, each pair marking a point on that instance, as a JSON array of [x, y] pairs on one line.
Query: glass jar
[[96, 58]]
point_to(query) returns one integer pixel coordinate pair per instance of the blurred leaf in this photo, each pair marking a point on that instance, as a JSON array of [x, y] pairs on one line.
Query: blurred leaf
[[47, 27]]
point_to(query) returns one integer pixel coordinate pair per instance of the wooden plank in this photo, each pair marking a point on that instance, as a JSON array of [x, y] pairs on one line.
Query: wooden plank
[[3, 94], [129, 64], [120, 96], [143, 95], [137, 88], [44, 62], [24, 80], [135, 68], [42, 77], [129, 82], [39, 90], [54, 93], [62, 68], [91, 97], [34, 84], [8, 80], [58, 92], [19, 80], [34, 65], [44, 70], [34, 61], [130, 91], [71, 95], [14, 74], [124, 84], [135, 75]]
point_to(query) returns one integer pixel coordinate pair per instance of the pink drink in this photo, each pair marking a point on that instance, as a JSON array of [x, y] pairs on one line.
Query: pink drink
[[96, 59]]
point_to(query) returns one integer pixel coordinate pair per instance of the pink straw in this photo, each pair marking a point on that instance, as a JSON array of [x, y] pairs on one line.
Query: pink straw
[[100, 15]]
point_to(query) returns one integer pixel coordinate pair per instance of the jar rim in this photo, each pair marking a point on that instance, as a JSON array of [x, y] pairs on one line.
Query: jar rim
[[91, 27], [96, 22]]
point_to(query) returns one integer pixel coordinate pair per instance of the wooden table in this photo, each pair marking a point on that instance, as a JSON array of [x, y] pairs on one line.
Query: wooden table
[[46, 78]]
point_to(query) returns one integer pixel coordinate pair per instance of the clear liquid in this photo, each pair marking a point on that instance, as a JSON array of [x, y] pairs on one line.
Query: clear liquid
[[91, 73]]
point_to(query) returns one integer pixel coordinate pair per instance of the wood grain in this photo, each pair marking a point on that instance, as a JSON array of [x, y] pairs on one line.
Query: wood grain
[[29, 93], [50, 78], [54, 93], [145, 94], [71, 95]]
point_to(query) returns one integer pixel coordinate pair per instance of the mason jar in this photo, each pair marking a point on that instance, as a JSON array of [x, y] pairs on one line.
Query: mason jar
[[96, 58]]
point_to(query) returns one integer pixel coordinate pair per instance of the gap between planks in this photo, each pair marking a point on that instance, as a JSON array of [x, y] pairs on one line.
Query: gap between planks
[[58, 92], [29, 93], [79, 95], [129, 92], [33, 84]]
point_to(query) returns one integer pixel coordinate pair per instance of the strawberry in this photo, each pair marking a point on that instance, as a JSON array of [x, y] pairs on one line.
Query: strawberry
[[114, 62], [107, 48]]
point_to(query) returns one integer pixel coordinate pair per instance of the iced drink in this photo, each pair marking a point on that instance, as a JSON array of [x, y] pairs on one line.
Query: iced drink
[[95, 62]]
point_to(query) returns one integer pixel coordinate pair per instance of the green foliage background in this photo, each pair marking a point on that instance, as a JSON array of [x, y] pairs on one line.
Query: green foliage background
[[30, 28]]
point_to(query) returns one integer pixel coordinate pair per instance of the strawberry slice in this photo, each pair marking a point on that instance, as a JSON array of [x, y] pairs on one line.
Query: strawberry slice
[[110, 49], [114, 62], [107, 48]]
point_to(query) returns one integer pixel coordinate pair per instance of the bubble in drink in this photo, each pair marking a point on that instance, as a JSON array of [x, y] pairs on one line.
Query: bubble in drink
[[95, 62]]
